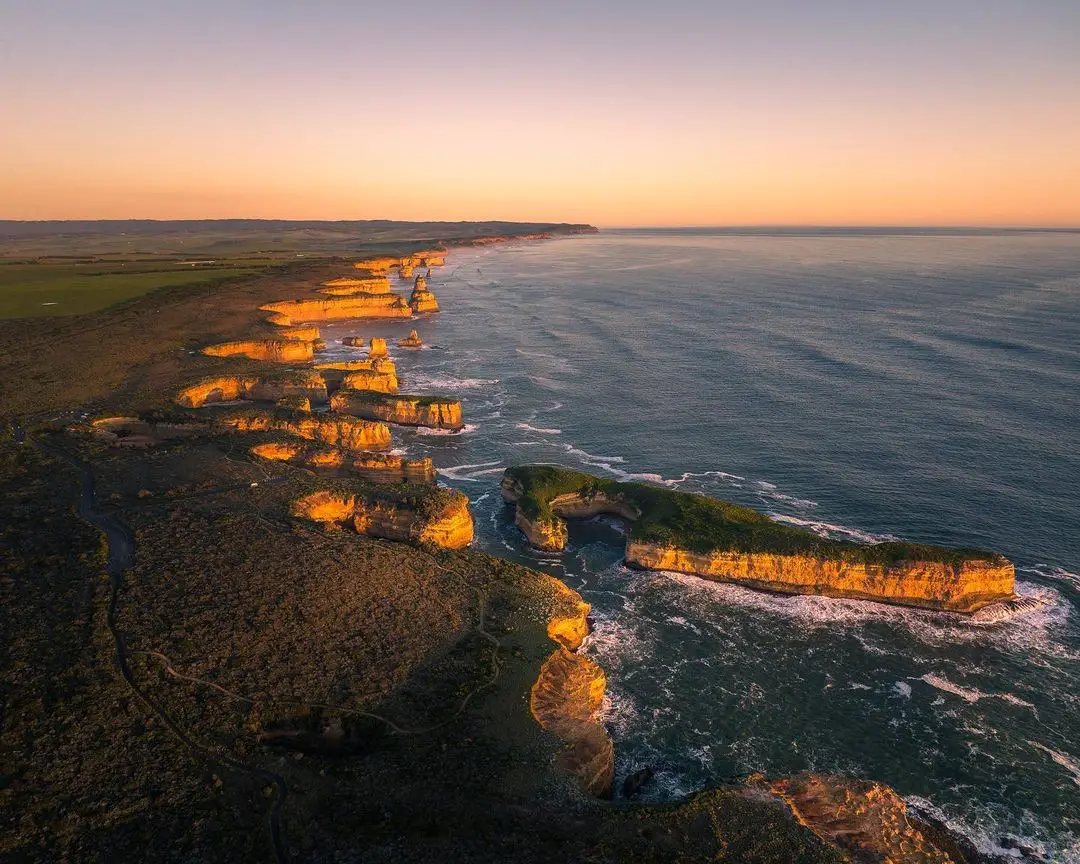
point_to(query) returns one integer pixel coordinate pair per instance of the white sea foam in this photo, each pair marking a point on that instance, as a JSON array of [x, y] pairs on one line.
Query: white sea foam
[[426, 381], [986, 838], [538, 430], [903, 689], [832, 530], [972, 694], [1065, 761], [470, 472], [424, 430]]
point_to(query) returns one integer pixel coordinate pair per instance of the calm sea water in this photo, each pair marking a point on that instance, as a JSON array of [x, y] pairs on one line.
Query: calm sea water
[[862, 385]]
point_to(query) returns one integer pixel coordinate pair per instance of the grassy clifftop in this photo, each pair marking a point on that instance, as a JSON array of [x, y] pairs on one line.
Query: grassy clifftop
[[702, 524]]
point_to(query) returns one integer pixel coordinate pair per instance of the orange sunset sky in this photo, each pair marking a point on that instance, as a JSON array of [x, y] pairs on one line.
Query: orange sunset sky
[[613, 113]]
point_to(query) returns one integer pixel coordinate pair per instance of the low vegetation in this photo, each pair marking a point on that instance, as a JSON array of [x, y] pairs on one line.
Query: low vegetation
[[702, 524]]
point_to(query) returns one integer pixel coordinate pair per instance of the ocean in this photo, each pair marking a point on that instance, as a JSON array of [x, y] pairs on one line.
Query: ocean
[[862, 384]]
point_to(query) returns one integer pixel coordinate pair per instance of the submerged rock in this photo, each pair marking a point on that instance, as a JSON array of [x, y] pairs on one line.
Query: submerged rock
[[635, 782]]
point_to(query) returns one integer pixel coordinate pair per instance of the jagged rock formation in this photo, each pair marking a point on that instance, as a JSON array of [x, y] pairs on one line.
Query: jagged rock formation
[[335, 373], [348, 433], [353, 341], [405, 410], [376, 467], [379, 265], [865, 820], [363, 285], [713, 539], [289, 312], [413, 340], [405, 268], [270, 350], [564, 700], [424, 514], [422, 300], [300, 334], [307, 384], [271, 388], [377, 351], [371, 379]]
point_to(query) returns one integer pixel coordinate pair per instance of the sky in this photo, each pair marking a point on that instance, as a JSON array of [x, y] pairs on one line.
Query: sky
[[612, 112]]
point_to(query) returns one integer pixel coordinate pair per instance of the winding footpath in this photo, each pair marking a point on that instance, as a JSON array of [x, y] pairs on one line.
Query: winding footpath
[[121, 557]]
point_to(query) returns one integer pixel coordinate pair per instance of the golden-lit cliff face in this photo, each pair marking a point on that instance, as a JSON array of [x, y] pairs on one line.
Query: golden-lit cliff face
[[302, 334], [564, 700], [865, 820], [449, 524], [963, 587], [369, 379], [348, 433], [289, 312], [377, 349], [376, 467], [403, 410], [270, 350], [356, 285], [227, 388], [422, 300]]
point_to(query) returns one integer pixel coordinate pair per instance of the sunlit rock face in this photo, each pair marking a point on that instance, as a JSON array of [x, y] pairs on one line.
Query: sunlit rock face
[[270, 350], [307, 384], [369, 379], [865, 820], [354, 341], [422, 300], [290, 312], [565, 700], [377, 350], [439, 516], [413, 340], [300, 334], [963, 587], [356, 285], [405, 410], [921, 576], [348, 433], [375, 467]]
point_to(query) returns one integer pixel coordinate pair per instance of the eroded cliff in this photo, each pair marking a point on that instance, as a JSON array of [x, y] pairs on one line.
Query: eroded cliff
[[290, 312], [270, 388], [348, 433], [270, 350], [716, 540], [405, 410], [425, 514], [376, 467]]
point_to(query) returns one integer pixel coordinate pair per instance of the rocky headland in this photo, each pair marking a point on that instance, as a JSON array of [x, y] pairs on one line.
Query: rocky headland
[[685, 533], [423, 514], [434, 412], [270, 350]]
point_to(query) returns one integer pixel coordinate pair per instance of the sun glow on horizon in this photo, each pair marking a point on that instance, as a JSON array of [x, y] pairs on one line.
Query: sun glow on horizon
[[707, 114]]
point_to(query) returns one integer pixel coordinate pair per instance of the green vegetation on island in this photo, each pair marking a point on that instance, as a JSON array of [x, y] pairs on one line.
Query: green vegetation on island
[[702, 524]]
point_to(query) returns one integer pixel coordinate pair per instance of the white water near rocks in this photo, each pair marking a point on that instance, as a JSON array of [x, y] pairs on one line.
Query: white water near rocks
[[862, 385]]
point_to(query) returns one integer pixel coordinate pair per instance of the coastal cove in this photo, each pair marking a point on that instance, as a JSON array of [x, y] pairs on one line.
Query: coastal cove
[[867, 387]]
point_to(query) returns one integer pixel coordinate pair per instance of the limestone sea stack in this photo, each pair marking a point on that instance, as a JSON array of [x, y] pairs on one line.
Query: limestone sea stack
[[288, 313], [306, 384], [377, 350], [420, 514], [348, 433], [353, 341], [375, 467], [434, 412], [422, 300], [725, 542], [270, 350], [413, 340]]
